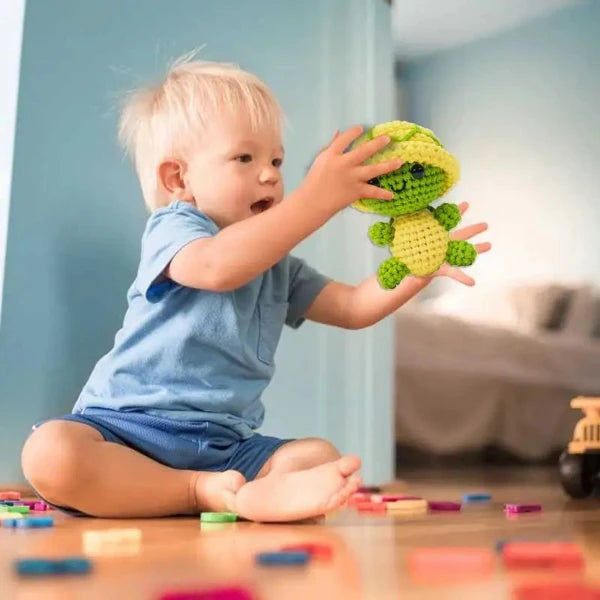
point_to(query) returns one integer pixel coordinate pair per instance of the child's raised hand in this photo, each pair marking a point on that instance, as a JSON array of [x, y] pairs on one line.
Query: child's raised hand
[[464, 233], [340, 178]]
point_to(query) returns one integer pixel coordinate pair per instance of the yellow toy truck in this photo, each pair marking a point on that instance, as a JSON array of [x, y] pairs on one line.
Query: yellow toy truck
[[579, 464]]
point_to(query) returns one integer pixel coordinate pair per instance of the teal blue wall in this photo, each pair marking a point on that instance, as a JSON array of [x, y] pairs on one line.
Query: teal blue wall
[[76, 213], [520, 111]]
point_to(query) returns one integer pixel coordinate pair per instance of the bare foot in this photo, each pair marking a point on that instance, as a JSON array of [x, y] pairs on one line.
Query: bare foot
[[215, 492], [299, 494]]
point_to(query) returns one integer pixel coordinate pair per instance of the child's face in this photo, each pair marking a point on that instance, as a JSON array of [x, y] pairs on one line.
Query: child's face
[[235, 173]]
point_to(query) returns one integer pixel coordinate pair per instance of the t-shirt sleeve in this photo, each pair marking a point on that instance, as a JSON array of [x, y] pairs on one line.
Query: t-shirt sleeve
[[167, 232], [306, 284]]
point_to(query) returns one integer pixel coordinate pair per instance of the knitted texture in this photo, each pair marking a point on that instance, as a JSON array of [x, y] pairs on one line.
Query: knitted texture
[[381, 234], [461, 253], [448, 215], [390, 271], [417, 233], [420, 242], [414, 144]]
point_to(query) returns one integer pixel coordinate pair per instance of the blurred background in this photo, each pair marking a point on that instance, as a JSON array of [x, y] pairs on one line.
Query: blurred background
[[511, 88]]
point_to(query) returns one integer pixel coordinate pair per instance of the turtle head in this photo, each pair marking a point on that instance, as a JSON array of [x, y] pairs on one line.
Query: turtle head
[[427, 173]]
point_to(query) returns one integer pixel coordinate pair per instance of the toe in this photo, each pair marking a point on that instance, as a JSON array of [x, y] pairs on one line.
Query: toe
[[348, 464], [352, 484]]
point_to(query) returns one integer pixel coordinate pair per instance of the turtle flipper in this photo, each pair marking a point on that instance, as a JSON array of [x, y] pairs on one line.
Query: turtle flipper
[[460, 253], [382, 233], [391, 272], [447, 215]]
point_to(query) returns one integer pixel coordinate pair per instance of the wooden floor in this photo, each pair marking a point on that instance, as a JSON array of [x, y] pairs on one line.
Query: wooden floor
[[369, 551]]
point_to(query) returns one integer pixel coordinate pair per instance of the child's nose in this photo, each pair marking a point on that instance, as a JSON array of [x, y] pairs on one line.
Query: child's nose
[[269, 175]]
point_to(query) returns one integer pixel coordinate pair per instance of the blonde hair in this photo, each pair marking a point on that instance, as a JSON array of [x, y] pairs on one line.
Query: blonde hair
[[162, 121]]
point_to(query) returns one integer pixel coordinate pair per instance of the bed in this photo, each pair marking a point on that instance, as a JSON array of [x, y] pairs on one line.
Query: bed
[[466, 382]]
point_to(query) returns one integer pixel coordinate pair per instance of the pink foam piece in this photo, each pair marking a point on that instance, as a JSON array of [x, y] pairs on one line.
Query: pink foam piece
[[444, 505], [522, 508], [229, 593], [40, 506]]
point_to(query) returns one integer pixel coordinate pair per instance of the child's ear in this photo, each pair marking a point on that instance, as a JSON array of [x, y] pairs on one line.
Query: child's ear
[[171, 174]]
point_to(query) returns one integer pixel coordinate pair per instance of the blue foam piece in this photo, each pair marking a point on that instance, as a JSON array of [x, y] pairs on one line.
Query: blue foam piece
[[34, 522], [10, 522], [75, 565], [476, 497], [34, 566], [283, 558], [45, 566]]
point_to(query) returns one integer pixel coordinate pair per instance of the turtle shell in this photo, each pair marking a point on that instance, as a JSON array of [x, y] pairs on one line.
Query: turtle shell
[[420, 242]]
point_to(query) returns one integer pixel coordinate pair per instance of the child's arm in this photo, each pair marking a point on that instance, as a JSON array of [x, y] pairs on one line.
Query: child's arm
[[243, 250], [355, 307]]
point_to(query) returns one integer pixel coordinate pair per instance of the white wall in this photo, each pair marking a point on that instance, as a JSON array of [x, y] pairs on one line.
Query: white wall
[[12, 14], [520, 111]]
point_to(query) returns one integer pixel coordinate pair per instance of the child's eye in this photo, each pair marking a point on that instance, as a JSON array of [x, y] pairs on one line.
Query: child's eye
[[245, 158], [277, 162]]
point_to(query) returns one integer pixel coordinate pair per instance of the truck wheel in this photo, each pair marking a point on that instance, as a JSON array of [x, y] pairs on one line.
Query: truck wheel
[[576, 474]]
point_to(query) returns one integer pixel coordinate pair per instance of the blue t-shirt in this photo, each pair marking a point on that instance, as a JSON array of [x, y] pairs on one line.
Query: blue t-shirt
[[193, 354]]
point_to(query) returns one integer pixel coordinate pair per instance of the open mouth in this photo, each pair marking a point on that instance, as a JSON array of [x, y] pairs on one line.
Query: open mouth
[[261, 205]]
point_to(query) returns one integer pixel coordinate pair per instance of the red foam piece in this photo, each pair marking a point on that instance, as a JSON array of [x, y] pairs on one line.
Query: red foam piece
[[358, 497], [10, 495], [316, 550], [369, 489], [566, 555], [556, 591], [467, 559], [370, 506]]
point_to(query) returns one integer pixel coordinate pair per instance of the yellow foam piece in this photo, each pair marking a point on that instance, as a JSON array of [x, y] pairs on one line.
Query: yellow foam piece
[[404, 505]]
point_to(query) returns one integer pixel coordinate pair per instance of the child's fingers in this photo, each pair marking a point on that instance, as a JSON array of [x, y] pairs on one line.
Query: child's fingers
[[483, 247], [463, 207], [341, 141], [335, 135], [373, 192], [465, 233], [367, 172], [366, 150], [460, 276]]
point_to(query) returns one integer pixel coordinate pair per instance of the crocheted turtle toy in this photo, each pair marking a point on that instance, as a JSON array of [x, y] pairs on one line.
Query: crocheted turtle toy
[[416, 233]]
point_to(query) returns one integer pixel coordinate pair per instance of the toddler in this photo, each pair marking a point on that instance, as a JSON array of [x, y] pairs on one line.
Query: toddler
[[166, 423]]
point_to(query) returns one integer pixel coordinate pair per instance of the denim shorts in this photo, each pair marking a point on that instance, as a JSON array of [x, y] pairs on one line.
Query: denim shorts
[[193, 445]]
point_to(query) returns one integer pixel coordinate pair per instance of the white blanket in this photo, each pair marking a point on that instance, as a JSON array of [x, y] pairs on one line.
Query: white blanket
[[462, 385]]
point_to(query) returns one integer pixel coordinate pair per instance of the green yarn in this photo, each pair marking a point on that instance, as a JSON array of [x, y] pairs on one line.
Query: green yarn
[[391, 272], [460, 253], [410, 193], [417, 233], [448, 215], [381, 233]]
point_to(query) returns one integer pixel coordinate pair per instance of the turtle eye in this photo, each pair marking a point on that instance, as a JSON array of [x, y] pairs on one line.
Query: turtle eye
[[417, 171], [374, 181]]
